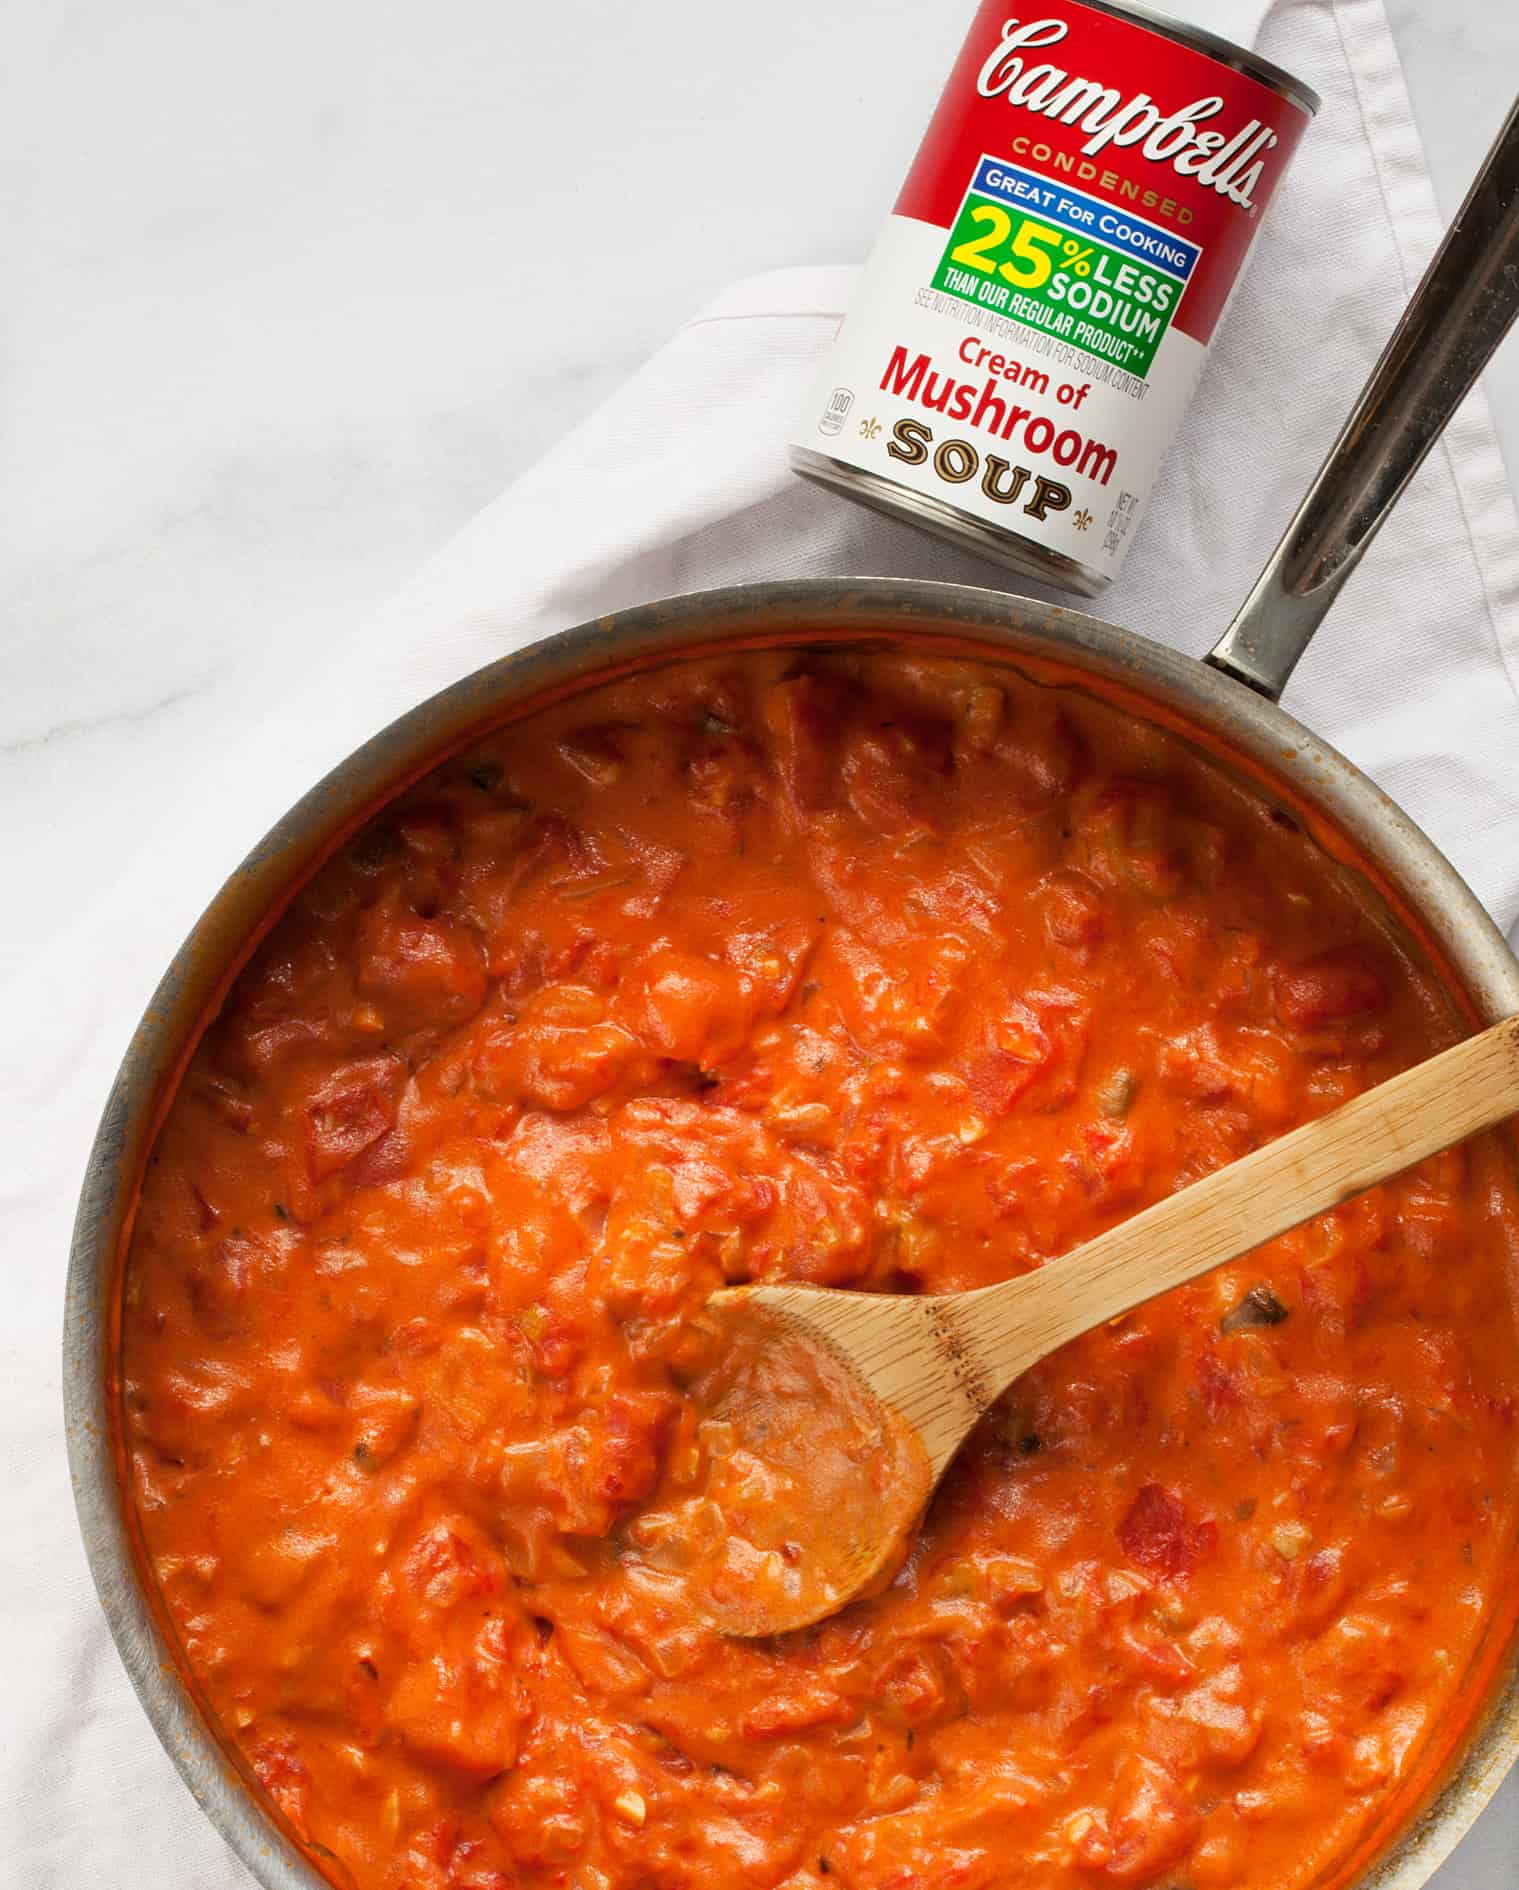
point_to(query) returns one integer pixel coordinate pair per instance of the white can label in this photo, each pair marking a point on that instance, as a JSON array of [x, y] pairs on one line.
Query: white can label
[[1035, 316], [1009, 418]]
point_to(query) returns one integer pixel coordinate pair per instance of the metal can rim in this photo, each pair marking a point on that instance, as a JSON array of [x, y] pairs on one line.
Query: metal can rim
[[1003, 545], [1215, 47]]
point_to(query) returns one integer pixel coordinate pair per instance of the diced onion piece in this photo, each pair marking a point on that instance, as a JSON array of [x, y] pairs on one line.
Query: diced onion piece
[[1289, 1539]]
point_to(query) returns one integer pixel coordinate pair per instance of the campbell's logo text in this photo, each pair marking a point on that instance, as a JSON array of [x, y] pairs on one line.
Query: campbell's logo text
[[1230, 163]]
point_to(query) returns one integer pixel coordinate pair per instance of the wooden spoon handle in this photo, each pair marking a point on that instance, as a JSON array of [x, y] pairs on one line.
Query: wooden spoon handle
[[1426, 1109]]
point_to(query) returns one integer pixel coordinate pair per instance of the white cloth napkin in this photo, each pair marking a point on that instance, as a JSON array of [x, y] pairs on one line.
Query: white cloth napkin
[[679, 482]]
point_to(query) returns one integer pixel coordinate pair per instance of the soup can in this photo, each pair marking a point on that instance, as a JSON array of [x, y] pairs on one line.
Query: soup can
[[1029, 329]]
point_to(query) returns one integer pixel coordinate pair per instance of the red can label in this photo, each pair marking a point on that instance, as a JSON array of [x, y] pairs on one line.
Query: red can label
[[1038, 310]]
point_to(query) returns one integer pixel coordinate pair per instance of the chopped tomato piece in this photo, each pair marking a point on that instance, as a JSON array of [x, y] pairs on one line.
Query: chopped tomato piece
[[1151, 1826], [465, 1716], [450, 1562], [419, 970], [350, 1111], [686, 1007], [627, 1450], [795, 1708], [1157, 1534], [1329, 989]]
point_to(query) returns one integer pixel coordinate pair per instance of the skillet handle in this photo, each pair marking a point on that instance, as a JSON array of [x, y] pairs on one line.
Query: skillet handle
[[1459, 313]]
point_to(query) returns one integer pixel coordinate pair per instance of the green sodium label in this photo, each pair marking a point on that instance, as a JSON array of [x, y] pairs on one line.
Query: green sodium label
[[1043, 273]]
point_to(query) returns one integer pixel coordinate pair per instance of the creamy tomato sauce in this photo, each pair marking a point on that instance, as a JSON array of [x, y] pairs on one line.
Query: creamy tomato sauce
[[873, 972]]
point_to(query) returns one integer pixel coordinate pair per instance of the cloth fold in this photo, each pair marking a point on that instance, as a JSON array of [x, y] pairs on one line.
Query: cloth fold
[[681, 481]]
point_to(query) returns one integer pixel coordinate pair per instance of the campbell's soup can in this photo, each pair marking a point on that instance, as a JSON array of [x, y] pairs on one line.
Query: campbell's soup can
[[1029, 329]]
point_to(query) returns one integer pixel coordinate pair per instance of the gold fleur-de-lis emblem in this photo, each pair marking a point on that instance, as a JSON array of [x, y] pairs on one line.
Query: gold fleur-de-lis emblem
[[870, 429], [1081, 519]]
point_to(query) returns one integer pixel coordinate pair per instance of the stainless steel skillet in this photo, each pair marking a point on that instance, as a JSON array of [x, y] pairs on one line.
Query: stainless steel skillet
[[1460, 312]]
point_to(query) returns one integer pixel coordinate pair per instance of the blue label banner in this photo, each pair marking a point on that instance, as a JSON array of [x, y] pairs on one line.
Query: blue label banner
[[1087, 216]]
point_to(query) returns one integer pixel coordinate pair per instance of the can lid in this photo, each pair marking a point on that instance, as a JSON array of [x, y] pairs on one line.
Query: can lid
[[1240, 58]]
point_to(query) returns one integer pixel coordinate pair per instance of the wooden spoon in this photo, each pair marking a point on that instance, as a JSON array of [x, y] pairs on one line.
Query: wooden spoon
[[908, 1377]]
